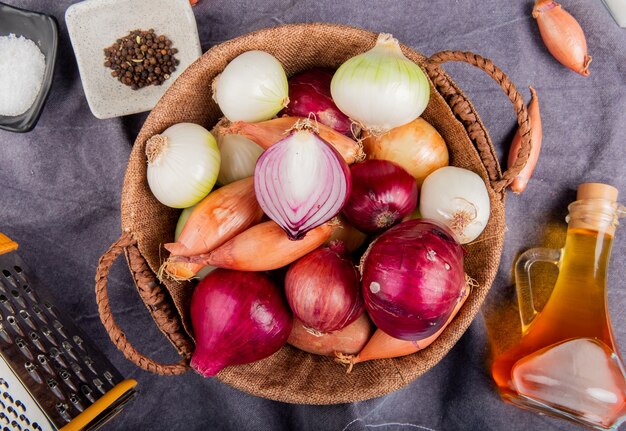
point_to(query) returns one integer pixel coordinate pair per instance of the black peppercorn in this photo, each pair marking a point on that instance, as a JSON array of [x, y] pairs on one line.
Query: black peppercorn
[[141, 58]]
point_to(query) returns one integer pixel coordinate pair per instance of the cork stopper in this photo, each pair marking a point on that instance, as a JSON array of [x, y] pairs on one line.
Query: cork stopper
[[596, 191], [594, 208]]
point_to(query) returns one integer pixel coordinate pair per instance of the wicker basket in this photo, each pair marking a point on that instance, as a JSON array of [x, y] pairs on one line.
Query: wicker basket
[[291, 375]]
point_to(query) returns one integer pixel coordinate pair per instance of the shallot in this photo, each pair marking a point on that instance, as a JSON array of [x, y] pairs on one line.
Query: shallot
[[562, 35], [521, 180], [222, 215], [267, 133], [347, 341], [261, 248], [383, 346], [182, 219]]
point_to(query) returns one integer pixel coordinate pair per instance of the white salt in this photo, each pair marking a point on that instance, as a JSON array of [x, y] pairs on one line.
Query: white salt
[[22, 66]]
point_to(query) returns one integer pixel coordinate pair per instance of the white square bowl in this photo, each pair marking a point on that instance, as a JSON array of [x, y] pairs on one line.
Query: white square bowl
[[94, 25]]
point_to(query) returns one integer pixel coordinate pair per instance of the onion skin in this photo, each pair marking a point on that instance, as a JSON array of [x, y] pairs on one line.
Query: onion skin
[[267, 133], [412, 277], [237, 318], [309, 93], [382, 194], [349, 340], [562, 35], [323, 289], [262, 248], [383, 346], [521, 180], [416, 146]]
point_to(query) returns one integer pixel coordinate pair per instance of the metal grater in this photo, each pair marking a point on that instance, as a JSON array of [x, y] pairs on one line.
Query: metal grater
[[51, 377]]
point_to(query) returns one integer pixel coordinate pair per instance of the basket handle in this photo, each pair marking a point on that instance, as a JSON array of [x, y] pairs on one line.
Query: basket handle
[[147, 291], [462, 108]]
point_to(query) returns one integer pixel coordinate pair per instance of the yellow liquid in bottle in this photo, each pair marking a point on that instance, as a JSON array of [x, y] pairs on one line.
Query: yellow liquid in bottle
[[566, 363]]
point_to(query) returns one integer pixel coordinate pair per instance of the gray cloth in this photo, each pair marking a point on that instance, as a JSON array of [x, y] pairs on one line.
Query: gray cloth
[[61, 186]]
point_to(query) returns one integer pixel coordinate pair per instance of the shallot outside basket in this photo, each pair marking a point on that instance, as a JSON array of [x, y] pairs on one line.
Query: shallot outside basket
[[291, 375]]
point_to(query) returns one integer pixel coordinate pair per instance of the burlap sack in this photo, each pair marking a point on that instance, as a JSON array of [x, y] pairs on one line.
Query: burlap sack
[[291, 375]]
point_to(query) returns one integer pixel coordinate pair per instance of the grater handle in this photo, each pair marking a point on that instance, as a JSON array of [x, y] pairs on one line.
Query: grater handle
[[126, 242]]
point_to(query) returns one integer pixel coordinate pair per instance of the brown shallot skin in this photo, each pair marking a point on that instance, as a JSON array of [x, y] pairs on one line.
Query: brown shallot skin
[[521, 180], [348, 341], [562, 35], [262, 247]]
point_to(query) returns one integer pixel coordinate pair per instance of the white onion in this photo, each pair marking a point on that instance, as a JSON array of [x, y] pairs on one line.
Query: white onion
[[381, 88], [253, 87], [239, 156], [183, 163], [458, 198]]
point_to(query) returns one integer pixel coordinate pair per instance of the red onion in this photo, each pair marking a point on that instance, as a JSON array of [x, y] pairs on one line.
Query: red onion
[[412, 277], [382, 194], [309, 93], [301, 182], [323, 289], [237, 317]]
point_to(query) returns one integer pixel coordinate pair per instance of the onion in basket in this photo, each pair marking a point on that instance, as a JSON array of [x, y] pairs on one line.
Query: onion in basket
[[237, 318], [309, 93], [301, 182], [382, 194], [253, 87], [183, 163], [323, 289], [381, 88], [412, 277], [459, 199]]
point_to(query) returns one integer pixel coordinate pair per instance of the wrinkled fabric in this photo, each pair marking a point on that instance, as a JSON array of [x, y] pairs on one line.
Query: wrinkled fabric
[[61, 183]]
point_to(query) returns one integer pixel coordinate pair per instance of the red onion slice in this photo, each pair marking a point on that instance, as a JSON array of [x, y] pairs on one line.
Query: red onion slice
[[301, 182]]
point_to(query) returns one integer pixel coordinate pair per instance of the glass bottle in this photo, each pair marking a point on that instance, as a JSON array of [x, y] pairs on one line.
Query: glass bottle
[[567, 363]]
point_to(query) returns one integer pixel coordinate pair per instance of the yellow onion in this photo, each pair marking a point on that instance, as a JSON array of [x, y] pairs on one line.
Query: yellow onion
[[416, 146]]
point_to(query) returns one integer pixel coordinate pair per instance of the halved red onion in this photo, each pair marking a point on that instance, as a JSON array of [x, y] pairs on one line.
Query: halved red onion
[[301, 182], [309, 93], [382, 194], [412, 277]]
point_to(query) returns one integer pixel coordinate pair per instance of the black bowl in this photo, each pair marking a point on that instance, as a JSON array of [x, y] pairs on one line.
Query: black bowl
[[43, 30]]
